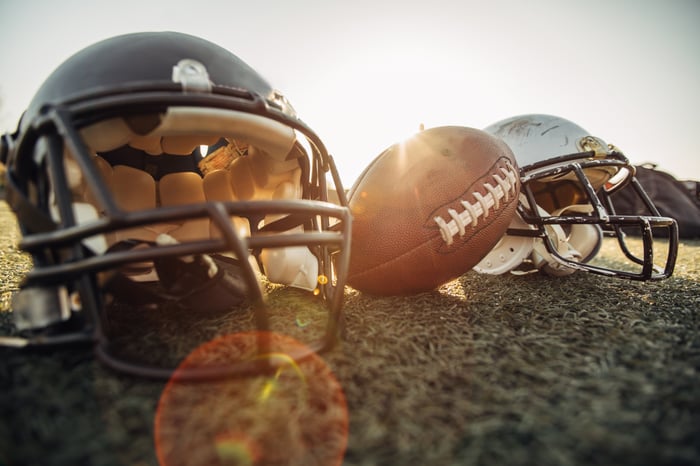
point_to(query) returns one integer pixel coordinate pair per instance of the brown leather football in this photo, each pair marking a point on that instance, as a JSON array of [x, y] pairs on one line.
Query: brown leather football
[[427, 210]]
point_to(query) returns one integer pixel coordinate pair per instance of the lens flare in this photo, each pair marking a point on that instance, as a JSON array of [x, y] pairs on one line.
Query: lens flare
[[236, 448], [295, 414], [284, 361]]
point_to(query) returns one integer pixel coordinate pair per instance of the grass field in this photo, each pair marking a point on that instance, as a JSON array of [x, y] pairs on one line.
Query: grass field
[[508, 370]]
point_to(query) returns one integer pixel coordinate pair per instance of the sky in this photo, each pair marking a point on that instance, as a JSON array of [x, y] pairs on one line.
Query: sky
[[365, 74]]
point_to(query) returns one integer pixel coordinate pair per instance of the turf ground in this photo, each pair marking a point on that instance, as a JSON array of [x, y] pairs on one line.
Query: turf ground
[[509, 370]]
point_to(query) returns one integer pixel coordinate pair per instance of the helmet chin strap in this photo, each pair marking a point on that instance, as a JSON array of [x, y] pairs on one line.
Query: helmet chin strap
[[521, 255], [510, 251], [543, 260], [581, 244]]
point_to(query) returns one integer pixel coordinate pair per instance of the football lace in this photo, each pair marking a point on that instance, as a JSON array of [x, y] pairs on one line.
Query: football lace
[[505, 186]]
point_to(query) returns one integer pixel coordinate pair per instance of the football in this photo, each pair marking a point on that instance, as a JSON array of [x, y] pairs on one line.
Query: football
[[428, 209]]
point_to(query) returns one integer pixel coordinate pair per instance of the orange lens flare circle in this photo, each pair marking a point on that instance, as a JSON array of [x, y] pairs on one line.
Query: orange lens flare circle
[[295, 415]]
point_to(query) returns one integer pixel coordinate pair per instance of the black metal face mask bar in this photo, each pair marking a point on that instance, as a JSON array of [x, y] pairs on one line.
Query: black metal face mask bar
[[602, 214], [79, 272]]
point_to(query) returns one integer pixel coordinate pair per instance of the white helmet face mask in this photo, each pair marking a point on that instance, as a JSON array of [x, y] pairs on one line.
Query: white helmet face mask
[[568, 181]]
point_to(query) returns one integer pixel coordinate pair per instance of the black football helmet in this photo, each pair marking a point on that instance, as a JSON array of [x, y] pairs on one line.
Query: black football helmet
[[568, 182], [156, 169]]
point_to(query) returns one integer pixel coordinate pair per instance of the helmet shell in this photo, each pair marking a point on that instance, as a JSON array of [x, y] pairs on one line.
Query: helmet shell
[[535, 138], [127, 62]]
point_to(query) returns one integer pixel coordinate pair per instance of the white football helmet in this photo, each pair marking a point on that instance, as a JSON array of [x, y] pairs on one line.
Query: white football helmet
[[567, 179]]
